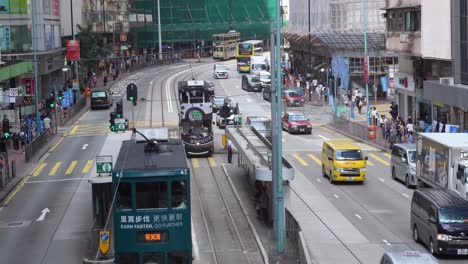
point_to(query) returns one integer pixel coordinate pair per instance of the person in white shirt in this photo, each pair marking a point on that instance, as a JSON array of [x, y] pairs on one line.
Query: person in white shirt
[[356, 91]]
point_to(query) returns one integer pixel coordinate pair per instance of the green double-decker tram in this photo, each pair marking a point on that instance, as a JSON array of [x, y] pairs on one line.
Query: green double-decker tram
[[152, 221]]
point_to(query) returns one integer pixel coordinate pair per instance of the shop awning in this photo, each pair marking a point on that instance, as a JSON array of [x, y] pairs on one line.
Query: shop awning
[[453, 95], [15, 70]]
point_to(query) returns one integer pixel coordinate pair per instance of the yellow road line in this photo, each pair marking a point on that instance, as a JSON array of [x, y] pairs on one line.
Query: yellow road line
[[39, 169], [388, 155], [317, 160], [88, 166], [379, 159], [370, 163], [56, 144], [212, 161], [71, 167], [303, 162], [12, 194], [74, 130], [55, 168], [326, 129], [195, 163]]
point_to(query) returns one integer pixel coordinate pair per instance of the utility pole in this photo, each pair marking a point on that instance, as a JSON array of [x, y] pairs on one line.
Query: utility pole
[[364, 12], [277, 141], [159, 31], [309, 64], [34, 40], [75, 71]]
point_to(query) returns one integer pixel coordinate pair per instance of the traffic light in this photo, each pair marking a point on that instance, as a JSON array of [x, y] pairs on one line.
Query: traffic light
[[6, 128], [132, 93], [119, 109], [112, 121], [60, 96]]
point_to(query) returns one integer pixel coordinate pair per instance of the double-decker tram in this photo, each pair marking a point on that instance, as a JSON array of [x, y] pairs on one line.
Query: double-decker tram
[[225, 44], [152, 220], [196, 117]]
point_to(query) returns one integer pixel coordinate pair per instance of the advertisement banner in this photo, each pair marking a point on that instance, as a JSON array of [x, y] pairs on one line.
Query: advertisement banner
[[19, 7], [48, 36], [5, 38], [56, 8], [384, 82], [73, 50], [29, 83], [4, 6]]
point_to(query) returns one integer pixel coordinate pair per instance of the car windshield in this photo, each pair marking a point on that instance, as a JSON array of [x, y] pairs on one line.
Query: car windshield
[[98, 94], [454, 215], [221, 67], [261, 125], [348, 154], [265, 77], [412, 156], [290, 93], [255, 80], [297, 118]]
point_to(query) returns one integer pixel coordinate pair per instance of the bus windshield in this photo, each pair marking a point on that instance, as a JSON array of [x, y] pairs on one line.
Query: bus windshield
[[245, 49], [348, 154]]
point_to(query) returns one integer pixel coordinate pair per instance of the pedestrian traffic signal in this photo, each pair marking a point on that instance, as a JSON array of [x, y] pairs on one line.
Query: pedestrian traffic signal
[[119, 109], [112, 121], [6, 128]]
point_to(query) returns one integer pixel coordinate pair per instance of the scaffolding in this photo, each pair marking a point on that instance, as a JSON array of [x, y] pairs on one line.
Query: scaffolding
[[192, 20], [336, 25]]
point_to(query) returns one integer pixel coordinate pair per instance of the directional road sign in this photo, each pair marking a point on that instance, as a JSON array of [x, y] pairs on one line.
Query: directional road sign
[[104, 241], [104, 164]]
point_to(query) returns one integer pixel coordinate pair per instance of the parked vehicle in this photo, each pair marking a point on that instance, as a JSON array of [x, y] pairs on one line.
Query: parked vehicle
[[251, 83], [342, 160], [403, 163], [101, 98], [439, 220], [262, 124], [266, 93], [220, 71], [296, 122], [258, 64], [407, 257], [442, 161], [292, 98], [265, 78]]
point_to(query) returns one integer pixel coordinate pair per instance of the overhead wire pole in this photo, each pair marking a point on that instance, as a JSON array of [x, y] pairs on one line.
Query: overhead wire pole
[[159, 31], [75, 71], [279, 167], [364, 12], [34, 40]]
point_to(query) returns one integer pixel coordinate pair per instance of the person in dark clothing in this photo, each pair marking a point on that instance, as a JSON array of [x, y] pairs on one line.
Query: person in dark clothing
[[229, 149], [16, 141]]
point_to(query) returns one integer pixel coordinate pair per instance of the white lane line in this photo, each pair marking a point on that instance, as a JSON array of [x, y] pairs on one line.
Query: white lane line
[[382, 180], [325, 138], [358, 216], [386, 242], [319, 180], [307, 140], [248, 100], [196, 251], [175, 67], [405, 195], [84, 146], [336, 196], [168, 94], [284, 140]]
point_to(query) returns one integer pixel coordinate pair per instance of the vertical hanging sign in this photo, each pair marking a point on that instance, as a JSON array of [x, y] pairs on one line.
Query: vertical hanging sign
[[366, 69], [73, 50]]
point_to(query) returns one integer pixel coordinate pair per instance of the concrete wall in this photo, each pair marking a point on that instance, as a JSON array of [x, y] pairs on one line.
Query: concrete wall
[[395, 43], [436, 34]]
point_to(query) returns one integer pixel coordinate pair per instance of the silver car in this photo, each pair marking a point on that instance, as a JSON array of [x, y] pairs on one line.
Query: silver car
[[403, 163], [407, 257]]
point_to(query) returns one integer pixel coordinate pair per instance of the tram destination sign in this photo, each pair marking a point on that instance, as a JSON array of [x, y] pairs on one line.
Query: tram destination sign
[[104, 164]]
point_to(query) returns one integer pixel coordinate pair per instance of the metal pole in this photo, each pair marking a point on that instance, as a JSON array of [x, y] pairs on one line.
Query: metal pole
[[364, 7], [159, 31], [279, 177], [133, 115], [309, 63], [104, 14], [274, 128], [75, 73], [34, 40]]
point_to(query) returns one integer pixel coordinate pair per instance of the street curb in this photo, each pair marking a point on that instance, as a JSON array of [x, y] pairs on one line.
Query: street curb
[[251, 226], [357, 138]]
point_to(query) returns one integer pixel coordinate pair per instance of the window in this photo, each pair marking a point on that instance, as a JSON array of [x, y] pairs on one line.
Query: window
[[98, 95], [151, 195], [128, 258], [396, 151], [413, 21], [179, 257], [179, 195], [124, 196], [348, 155], [153, 258]]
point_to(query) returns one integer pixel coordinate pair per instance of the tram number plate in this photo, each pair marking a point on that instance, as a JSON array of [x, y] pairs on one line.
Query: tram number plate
[[462, 251]]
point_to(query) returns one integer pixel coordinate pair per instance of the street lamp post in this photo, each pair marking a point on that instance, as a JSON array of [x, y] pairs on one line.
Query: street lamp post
[[34, 43], [364, 7]]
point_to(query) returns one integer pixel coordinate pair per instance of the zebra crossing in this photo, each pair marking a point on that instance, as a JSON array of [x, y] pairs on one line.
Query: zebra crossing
[[61, 168]]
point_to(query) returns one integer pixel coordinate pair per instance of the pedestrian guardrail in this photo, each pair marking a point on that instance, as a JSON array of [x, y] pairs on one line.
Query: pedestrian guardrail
[[358, 130]]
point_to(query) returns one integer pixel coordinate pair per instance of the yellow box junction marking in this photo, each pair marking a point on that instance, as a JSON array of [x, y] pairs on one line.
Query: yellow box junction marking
[[379, 159], [317, 160], [370, 163], [388, 155], [195, 163], [55, 168], [39, 169], [303, 162], [212, 161], [88, 166], [71, 167], [73, 131]]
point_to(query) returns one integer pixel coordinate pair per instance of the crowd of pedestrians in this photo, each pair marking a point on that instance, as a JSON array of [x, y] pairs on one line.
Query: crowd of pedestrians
[[313, 88]]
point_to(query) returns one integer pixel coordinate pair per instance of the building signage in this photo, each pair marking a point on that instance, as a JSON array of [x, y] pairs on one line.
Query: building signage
[[404, 81], [4, 6], [29, 83], [19, 7], [56, 8], [5, 38], [151, 221], [73, 50]]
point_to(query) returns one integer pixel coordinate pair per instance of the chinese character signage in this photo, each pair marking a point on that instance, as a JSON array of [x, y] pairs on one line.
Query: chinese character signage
[[19, 7], [4, 6], [73, 50], [55, 8], [169, 220], [5, 38], [29, 83]]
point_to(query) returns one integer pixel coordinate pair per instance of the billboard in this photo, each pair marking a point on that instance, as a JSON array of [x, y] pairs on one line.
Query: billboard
[[432, 162], [19, 7], [73, 50], [4, 6]]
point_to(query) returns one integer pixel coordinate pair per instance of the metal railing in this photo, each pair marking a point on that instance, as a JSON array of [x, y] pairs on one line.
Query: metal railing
[[32, 148], [358, 130], [294, 234], [64, 115]]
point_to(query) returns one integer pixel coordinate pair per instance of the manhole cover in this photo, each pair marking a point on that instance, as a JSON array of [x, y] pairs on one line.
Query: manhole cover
[[13, 224], [18, 224]]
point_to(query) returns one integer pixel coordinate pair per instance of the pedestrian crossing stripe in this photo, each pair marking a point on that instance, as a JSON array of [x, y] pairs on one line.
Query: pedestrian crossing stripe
[[212, 161], [370, 163], [55, 168], [379, 159], [39, 169], [388, 155], [315, 159], [303, 162], [88, 166], [195, 163], [71, 167]]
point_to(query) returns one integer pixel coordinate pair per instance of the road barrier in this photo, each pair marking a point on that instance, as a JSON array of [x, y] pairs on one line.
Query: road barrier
[[357, 130]]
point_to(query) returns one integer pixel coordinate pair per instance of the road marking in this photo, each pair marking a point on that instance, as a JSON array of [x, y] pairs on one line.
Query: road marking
[[248, 100], [284, 140], [39, 169], [73, 131], [168, 93], [196, 251], [11, 195], [84, 146], [405, 195], [212, 161], [71, 167], [382, 180], [358, 216], [55, 168], [336, 196], [379, 159], [56, 144], [386, 242], [43, 214], [303, 162], [88, 166], [324, 138], [388, 155], [326, 129], [317, 160], [370, 163], [176, 67], [307, 140], [61, 180], [195, 163], [319, 180]]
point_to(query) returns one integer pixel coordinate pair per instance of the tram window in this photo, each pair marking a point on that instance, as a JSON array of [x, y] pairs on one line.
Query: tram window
[[179, 195], [178, 257], [151, 195], [153, 258], [124, 196], [128, 258]]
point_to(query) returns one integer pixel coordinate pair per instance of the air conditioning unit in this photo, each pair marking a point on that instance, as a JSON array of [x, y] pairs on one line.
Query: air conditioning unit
[[447, 80]]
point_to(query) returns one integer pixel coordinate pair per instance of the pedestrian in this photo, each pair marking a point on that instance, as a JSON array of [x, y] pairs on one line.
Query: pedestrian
[[22, 138], [382, 125], [398, 132], [264, 205], [230, 150], [47, 125], [410, 137], [358, 103], [410, 126], [325, 93], [16, 141], [105, 79], [375, 116], [94, 80], [309, 91]]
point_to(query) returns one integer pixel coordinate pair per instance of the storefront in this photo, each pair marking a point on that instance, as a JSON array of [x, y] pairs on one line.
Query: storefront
[[405, 90]]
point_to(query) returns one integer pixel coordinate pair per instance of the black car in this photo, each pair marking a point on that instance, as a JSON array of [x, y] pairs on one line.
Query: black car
[[101, 98], [251, 83], [267, 92], [439, 219]]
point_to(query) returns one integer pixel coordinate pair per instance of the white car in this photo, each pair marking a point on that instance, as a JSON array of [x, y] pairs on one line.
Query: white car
[[220, 71], [265, 78]]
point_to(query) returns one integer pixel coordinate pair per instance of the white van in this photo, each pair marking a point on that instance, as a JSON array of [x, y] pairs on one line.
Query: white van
[[403, 163]]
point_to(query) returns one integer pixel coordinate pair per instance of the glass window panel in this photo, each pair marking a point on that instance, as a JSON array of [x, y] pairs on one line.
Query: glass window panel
[[128, 258], [153, 258], [151, 195], [179, 257], [179, 195], [124, 196]]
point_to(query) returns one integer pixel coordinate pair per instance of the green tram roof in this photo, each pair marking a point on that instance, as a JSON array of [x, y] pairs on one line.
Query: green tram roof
[[133, 161]]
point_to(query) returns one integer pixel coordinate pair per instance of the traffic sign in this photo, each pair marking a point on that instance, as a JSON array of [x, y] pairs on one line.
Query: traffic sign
[[104, 241], [120, 124], [14, 92], [104, 164]]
